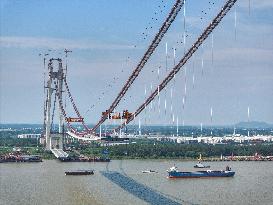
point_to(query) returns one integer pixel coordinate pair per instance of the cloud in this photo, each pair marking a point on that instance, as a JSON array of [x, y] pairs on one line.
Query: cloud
[[58, 43]]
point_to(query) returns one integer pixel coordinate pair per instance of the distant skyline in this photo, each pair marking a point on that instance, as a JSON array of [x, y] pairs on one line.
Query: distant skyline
[[108, 39]]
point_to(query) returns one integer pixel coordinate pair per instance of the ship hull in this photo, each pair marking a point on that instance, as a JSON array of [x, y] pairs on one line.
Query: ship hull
[[200, 174], [84, 172]]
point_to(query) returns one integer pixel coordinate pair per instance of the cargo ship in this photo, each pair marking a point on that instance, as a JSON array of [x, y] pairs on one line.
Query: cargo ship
[[174, 173]]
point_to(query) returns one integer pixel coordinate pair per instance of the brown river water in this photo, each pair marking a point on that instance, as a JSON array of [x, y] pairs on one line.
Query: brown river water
[[121, 182]]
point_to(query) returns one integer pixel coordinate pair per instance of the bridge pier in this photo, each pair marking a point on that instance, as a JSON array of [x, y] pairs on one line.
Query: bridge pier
[[56, 141]]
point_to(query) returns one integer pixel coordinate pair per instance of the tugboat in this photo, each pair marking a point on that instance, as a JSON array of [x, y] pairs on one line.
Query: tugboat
[[174, 173], [200, 165], [80, 172]]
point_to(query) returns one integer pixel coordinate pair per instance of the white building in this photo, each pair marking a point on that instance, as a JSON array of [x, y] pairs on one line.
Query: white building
[[29, 136]]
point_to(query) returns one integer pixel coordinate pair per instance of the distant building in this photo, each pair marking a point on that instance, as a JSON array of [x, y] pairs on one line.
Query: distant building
[[226, 139], [29, 136]]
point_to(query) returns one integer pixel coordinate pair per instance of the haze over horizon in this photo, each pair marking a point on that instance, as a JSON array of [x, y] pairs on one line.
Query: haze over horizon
[[251, 124], [107, 41]]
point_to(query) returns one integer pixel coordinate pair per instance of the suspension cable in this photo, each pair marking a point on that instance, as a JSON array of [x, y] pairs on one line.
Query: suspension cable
[[186, 57], [73, 103], [73, 130], [157, 39]]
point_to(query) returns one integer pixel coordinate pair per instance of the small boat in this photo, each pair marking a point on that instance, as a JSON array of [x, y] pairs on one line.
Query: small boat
[[80, 172], [200, 165], [149, 171], [174, 173]]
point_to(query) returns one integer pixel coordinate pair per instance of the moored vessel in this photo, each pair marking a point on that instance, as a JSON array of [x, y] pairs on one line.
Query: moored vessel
[[20, 158], [83, 159]]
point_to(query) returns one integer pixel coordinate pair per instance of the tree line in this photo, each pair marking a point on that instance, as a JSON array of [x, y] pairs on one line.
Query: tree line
[[171, 150]]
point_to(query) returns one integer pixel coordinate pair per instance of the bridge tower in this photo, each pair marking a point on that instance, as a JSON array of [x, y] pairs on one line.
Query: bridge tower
[[54, 87]]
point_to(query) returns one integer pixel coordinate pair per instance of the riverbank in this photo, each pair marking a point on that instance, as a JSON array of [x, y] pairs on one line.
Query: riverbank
[[185, 152]]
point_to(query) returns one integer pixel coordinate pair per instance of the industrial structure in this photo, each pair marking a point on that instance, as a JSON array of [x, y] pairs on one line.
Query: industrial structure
[[54, 87]]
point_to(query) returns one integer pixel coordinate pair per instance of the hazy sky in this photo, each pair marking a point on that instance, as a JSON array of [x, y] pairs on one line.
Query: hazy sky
[[107, 40]]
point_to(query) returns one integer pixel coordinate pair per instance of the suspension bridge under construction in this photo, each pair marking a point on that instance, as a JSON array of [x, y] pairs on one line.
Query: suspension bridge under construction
[[56, 86]]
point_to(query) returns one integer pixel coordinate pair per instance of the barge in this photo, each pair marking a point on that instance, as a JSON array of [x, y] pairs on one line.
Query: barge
[[149, 171], [86, 159], [80, 172], [20, 158]]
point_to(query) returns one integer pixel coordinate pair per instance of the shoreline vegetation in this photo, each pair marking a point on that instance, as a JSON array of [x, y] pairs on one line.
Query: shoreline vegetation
[[146, 149]]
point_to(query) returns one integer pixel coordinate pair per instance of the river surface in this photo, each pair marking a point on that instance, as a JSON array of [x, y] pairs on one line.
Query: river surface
[[121, 182]]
